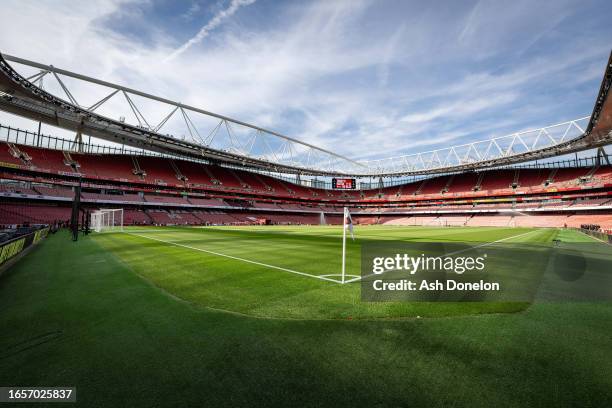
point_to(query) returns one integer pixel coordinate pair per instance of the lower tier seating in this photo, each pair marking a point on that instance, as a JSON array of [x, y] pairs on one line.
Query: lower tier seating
[[31, 212]]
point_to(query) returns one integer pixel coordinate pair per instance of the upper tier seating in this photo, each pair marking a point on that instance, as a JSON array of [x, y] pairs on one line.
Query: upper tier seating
[[114, 167], [603, 173], [226, 177], [195, 173], [498, 180], [434, 185], [213, 178], [7, 157], [532, 177], [158, 171], [47, 160], [463, 183], [569, 176]]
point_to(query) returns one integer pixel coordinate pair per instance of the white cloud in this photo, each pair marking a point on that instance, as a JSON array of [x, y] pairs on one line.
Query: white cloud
[[345, 75], [191, 11], [211, 25]]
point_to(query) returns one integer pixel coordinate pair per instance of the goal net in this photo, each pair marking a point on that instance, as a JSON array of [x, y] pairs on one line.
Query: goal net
[[107, 220]]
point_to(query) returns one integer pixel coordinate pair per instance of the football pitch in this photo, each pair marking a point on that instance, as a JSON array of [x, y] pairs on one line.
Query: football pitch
[[244, 316], [288, 272]]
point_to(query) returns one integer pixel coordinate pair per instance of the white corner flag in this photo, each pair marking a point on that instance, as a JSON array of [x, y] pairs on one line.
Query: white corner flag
[[347, 223]]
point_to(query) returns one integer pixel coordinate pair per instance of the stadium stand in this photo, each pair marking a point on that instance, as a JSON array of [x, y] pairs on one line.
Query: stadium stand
[[37, 185], [18, 214]]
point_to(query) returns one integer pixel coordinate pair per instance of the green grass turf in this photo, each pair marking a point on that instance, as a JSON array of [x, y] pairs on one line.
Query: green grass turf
[[74, 314], [233, 285]]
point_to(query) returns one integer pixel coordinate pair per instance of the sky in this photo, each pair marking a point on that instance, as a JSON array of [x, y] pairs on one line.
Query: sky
[[365, 78]]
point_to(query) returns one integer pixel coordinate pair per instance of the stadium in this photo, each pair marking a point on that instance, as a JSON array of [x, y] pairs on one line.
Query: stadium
[[227, 264], [174, 183]]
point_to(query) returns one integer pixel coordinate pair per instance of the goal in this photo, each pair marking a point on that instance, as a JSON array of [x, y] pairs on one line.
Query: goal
[[107, 220]]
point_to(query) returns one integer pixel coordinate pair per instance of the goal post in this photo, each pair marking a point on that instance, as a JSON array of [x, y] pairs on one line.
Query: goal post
[[107, 220]]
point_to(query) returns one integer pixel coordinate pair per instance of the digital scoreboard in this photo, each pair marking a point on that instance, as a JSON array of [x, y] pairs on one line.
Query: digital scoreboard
[[344, 183]]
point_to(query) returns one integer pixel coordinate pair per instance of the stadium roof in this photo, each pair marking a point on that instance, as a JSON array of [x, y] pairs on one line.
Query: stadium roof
[[228, 140]]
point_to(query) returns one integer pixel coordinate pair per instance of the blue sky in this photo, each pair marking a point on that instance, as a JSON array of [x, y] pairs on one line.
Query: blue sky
[[368, 79]]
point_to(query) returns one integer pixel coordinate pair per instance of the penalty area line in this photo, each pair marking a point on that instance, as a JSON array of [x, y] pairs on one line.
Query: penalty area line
[[238, 258]]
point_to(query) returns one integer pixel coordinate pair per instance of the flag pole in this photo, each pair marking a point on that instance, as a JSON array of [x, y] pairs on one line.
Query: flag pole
[[343, 244]]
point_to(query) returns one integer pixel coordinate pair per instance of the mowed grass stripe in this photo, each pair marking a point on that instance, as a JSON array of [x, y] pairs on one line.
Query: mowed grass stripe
[[239, 259], [476, 234], [313, 255], [209, 280], [205, 279]]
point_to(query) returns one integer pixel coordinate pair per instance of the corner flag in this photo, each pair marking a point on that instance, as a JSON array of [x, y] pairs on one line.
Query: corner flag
[[348, 222]]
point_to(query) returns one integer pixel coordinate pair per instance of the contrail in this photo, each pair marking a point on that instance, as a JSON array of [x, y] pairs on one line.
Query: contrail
[[211, 25]]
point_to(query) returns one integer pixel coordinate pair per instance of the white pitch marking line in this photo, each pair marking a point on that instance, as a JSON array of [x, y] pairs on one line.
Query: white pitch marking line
[[239, 259], [590, 236], [490, 243], [152, 230], [453, 253], [279, 232], [339, 274]]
